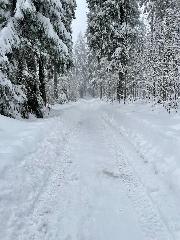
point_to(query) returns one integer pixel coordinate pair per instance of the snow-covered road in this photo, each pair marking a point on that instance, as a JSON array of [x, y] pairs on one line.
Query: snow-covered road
[[84, 180]]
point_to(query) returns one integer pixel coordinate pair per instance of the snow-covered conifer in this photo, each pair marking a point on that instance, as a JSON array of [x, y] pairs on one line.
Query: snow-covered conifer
[[36, 38], [111, 33]]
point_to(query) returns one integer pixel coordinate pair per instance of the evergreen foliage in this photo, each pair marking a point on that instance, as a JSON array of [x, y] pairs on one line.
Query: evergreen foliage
[[112, 32], [138, 57], [36, 42], [131, 51]]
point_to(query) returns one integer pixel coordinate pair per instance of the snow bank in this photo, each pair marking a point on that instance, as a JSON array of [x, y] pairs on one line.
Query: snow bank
[[155, 134], [19, 138]]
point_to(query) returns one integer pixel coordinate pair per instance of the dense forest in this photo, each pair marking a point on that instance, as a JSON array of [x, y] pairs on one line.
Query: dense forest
[[131, 51], [36, 48]]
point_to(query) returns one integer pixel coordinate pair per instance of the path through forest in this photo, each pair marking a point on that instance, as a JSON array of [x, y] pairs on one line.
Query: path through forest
[[80, 183]]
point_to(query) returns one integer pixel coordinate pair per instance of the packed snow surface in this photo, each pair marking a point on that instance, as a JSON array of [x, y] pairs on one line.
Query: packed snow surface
[[91, 171]]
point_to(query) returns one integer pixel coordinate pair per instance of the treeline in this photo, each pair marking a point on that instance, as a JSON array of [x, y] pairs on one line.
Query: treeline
[[131, 51], [138, 55], [35, 49]]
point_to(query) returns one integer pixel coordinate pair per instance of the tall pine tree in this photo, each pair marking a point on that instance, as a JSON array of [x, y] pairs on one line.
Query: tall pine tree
[[112, 30], [36, 37]]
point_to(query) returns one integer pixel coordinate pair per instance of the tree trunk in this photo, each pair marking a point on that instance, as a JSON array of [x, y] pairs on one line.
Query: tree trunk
[[101, 91], [13, 7], [120, 89], [125, 89], [42, 86], [55, 83]]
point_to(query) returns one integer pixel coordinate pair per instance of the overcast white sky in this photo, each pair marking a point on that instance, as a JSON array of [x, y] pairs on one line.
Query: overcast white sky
[[80, 23]]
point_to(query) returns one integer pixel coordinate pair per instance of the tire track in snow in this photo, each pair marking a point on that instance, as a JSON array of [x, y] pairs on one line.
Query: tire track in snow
[[50, 160], [150, 218], [53, 212]]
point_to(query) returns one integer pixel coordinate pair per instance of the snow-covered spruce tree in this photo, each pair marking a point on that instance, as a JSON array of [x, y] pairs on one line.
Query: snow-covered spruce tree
[[81, 65], [169, 79], [12, 94], [96, 37], [155, 36], [135, 77], [85, 71], [163, 51], [77, 83], [53, 28], [61, 15], [111, 34], [126, 32], [43, 36], [99, 38], [93, 74]]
